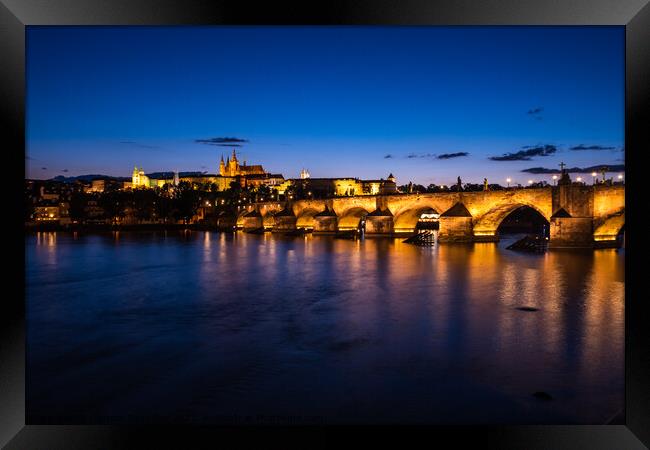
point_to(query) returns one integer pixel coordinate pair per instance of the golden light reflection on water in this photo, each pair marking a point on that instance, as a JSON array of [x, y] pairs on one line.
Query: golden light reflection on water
[[604, 308], [381, 304], [47, 240]]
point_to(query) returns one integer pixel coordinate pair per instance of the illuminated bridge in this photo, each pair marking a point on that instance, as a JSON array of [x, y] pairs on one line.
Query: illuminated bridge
[[578, 215]]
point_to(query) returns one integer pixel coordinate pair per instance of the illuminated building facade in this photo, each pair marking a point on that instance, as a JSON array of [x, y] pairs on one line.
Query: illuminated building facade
[[341, 187], [232, 168]]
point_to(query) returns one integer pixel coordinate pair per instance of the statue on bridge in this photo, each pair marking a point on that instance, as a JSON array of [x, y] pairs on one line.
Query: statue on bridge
[[485, 185], [460, 185]]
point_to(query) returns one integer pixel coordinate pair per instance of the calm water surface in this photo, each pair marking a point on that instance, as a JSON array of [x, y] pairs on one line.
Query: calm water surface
[[210, 327]]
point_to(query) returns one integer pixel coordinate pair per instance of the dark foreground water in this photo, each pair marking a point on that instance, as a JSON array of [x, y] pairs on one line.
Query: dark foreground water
[[209, 327]]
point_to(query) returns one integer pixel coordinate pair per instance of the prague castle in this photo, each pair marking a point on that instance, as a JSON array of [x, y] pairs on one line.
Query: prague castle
[[254, 176], [232, 168], [229, 171]]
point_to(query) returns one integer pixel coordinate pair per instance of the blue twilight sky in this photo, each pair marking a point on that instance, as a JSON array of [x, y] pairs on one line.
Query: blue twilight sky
[[339, 101]]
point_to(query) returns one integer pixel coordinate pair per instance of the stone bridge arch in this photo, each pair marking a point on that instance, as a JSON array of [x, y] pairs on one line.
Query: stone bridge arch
[[408, 209], [486, 225], [607, 229], [306, 218], [349, 219], [407, 220], [240, 216]]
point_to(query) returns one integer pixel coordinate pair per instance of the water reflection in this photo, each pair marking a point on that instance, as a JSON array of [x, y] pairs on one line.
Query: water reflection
[[374, 330]]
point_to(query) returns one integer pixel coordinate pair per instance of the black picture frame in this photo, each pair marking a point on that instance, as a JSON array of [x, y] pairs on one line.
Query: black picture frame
[[15, 15]]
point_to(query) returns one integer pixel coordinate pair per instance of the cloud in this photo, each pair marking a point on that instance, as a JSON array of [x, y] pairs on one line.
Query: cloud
[[420, 155], [43, 168], [591, 147], [432, 155], [527, 154], [452, 155], [388, 156], [596, 168], [65, 170], [223, 141], [535, 111]]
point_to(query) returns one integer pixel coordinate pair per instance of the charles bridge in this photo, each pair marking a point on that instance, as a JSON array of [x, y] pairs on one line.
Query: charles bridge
[[578, 215]]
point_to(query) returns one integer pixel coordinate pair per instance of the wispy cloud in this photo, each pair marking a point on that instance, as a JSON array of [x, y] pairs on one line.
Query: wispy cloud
[[420, 155], [527, 153], [388, 156], [591, 147], [596, 168], [223, 141], [536, 113], [452, 155]]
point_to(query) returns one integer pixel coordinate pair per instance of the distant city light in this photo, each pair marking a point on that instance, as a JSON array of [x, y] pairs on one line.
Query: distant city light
[[530, 181], [620, 176], [579, 179]]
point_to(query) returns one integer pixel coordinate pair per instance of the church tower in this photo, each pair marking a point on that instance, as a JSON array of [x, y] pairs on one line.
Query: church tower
[[233, 165], [222, 167]]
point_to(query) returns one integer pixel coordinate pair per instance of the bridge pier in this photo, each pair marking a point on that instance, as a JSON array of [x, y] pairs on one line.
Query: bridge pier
[[252, 221], [326, 222], [379, 223], [455, 229], [571, 232], [455, 225], [226, 222], [285, 221]]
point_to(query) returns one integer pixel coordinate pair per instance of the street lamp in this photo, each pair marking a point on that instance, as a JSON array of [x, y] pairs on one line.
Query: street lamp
[[579, 179], [530, 182], [554, 179], [594, 175], [508, 180], [620, 177]]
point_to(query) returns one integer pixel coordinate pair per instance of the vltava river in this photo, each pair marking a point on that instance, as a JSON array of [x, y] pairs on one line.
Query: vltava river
[[210, 327]]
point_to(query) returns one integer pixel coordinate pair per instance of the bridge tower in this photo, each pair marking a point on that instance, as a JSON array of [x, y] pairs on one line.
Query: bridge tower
[[572, 219]]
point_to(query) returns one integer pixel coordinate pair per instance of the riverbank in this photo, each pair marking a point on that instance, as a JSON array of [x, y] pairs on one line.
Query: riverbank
[[110, 227]]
